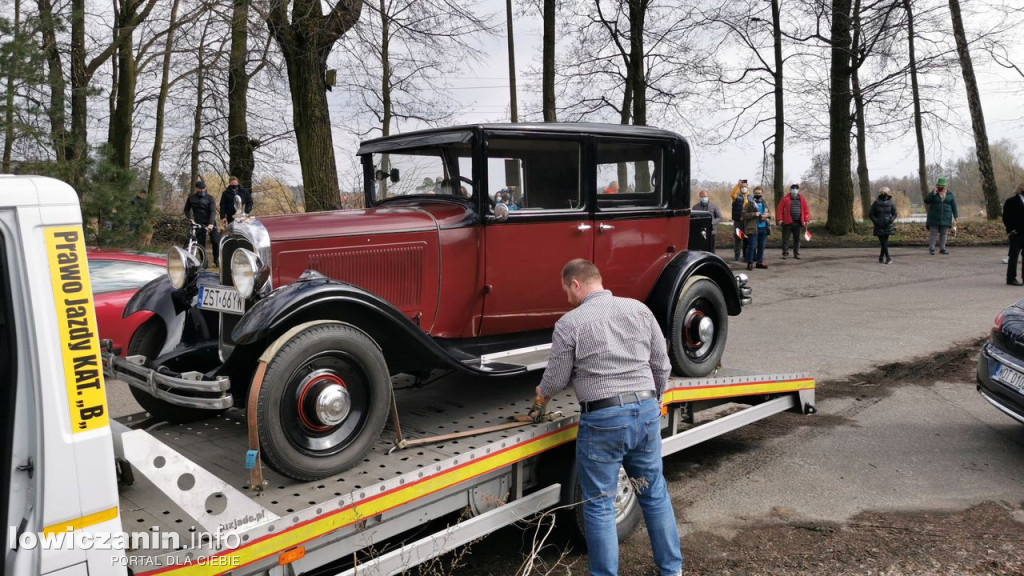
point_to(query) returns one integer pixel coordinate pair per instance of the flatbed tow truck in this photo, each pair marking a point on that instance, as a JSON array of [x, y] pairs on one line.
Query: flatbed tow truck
[[72, 469]]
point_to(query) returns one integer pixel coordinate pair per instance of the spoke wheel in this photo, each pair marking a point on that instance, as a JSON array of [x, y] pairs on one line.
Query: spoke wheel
[[699, 328], [323, 403]]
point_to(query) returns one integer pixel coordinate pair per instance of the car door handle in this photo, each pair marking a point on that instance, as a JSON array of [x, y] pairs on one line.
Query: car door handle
[[584, 227], [606, 227]]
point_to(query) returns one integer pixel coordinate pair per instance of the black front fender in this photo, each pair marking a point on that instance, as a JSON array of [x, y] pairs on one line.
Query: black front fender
[[662, 299], [185, 324], [405, 346]]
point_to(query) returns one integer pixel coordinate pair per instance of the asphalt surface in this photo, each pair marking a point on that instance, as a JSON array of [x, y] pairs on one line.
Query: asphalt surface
[[933, 445]]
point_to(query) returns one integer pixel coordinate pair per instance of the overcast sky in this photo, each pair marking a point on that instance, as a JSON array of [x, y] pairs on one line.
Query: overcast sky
[[483, 93]]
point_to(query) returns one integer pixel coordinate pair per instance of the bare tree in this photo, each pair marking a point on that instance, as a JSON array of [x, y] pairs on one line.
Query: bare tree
[[401, 52], [840, 193], [988, 182], [548, 62], [306, 41]]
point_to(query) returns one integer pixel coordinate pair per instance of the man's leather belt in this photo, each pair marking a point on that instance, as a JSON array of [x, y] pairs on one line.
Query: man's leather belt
[[617, 400]]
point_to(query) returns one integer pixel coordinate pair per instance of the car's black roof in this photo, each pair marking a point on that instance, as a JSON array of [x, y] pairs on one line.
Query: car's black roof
[[539, 127]]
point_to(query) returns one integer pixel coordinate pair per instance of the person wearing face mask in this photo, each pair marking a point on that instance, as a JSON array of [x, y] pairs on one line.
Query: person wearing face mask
[[794, 215], [1013, 219], [883, 215], [227, 201], [705, 204], [739, 199], [201, 208], [756, 225], [942, 215]]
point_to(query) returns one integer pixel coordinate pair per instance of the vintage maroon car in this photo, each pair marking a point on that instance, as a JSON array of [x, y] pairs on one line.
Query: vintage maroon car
[[454, 264]]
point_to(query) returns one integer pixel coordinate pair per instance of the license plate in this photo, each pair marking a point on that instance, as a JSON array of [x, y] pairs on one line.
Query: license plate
[[221, 298], [1010, 377]]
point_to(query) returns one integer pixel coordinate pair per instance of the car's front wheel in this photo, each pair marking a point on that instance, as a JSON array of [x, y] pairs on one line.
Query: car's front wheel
[[699, 328], [324, 400]]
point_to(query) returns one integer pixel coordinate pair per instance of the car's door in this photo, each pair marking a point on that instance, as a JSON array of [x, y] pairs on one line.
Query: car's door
[[548, 224], [636, 233]]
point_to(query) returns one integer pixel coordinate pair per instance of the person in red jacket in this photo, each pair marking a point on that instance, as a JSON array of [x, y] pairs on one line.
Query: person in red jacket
[[794, 214]]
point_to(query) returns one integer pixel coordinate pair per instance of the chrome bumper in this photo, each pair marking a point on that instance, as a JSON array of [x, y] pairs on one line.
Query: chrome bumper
[[741, 283], [167, 385]]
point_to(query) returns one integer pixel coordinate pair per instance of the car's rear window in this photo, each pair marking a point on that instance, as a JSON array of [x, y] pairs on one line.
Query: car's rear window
[[628, 175], [118, 275]]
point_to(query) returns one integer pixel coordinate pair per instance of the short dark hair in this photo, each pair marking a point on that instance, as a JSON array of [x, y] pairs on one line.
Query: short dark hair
[[759, 187], [230, 178], [581, 269]]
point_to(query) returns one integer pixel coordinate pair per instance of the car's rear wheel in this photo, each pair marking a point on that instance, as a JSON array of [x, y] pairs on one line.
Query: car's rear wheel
[[699, 328], [324, 400], [147, 341]]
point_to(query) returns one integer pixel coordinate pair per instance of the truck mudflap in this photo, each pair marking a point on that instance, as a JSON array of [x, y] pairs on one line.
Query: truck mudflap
[[188, 389]]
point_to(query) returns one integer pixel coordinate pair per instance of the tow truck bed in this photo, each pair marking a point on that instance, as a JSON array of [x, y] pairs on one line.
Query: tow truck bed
[[191, 480]]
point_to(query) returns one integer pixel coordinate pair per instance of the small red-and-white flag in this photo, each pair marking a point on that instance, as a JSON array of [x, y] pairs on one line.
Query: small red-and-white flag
[[807, 235], [739, 234]]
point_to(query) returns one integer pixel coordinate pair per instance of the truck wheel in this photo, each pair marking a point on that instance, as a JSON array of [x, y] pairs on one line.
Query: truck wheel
[[627, 508], [148, 340], [699, 328], [324, 400]]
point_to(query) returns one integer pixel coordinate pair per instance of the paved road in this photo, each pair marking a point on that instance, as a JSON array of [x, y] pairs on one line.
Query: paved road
[[932, 445]]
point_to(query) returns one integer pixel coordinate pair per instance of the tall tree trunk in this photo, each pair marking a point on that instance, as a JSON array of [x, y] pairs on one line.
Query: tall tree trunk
[[637, 20], [511, 63], [241, 161], [778, 171], [863, 179], [313, 130], [548, 66], [840, 193], [5, 166], [79, 144], [121, 121], [385, 61], [988, 180], [197, 119], [58, 87], [305, 43], [161, 104], [922, 169]]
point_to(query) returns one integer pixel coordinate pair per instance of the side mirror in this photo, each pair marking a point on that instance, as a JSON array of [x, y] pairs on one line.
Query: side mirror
[[380, 175], [501, 211], [394, 175]]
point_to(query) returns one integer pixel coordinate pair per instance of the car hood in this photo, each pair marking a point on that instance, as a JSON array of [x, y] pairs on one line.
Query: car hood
[[424, 217]]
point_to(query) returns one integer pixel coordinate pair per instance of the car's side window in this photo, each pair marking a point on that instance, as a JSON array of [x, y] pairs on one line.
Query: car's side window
[[534, 175], [629, 175]]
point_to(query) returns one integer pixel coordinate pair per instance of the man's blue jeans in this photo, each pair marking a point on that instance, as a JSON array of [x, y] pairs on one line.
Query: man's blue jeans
[[627, 436]]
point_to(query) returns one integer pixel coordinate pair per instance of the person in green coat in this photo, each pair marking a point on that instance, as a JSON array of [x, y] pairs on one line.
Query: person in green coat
[[942, 216]]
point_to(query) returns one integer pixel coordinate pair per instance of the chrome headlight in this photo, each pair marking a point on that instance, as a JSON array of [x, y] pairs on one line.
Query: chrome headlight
[[247, 272], [182, 268]]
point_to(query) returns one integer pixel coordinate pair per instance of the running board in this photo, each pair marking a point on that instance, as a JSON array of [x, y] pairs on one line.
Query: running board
[[416, 553], [531, 358]]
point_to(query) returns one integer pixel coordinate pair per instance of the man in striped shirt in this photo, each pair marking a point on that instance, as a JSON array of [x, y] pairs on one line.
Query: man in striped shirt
[[611, 350]]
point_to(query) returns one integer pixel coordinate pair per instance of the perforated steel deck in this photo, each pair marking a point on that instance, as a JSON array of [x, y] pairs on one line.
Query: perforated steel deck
[[451, 404]]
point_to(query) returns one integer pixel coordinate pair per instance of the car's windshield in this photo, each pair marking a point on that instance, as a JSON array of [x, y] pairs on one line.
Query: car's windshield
[[445, 170]]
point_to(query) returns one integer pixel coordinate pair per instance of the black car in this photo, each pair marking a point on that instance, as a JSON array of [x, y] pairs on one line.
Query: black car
[[1001, 363]]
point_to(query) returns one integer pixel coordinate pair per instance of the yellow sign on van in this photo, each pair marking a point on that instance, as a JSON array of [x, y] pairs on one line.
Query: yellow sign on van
[[76, 322]]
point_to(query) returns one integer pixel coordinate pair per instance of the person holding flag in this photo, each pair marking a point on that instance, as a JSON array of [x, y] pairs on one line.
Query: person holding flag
[[794, 214]]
